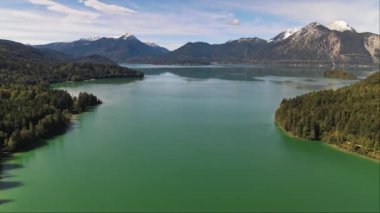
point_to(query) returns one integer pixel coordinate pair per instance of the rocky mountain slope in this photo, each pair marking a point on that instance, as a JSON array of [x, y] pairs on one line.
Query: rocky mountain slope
[[337, 44], [316, 43]]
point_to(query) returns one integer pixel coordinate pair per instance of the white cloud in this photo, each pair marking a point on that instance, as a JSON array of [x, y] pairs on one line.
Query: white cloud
[[174, 25], [168, 29], [40, 27], [235, 22], [60, 8], [107, 8], [215, 17]]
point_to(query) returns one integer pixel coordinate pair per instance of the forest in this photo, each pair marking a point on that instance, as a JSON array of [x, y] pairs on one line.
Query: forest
[[339, 74], [30, 111], [347, 117]]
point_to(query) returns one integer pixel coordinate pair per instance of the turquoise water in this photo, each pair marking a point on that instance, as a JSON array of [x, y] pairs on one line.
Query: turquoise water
[[190, 139]]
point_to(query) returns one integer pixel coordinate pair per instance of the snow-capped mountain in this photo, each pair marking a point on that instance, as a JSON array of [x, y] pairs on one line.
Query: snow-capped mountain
[[316, 43], [340, 26], [336, 43], [284, 35], [128, 36], [119, 48], [312, 44]]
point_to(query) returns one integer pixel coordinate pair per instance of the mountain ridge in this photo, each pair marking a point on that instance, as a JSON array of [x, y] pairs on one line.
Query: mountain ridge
[[336, 44], [314, 44], [118, 49], [22, 64]]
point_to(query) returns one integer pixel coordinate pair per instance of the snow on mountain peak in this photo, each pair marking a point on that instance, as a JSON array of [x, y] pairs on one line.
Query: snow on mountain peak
[[92, 38], [151, 44], [284, 35], [127, 36], [340, 26], [289, 32]]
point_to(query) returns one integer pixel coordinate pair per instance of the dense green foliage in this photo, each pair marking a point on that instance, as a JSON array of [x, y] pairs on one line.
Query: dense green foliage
[[31, 111], [26, 65], [347, 117], [339, 74], [36, 73]]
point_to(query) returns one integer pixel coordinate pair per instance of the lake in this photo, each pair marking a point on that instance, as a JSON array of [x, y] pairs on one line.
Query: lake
[[190, 139]]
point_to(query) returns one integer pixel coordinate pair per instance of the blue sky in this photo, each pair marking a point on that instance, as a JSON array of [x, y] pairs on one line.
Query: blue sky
[[172, 23]]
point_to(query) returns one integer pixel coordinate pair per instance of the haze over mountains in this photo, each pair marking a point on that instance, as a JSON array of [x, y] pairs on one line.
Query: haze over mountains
[[334, 44]]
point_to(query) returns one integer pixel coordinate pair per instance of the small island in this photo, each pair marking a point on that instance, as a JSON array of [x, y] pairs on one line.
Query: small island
[[347, 118], [339, 74]]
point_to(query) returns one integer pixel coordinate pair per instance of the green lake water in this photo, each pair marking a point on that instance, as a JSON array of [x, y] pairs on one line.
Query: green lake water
[[190, 139]]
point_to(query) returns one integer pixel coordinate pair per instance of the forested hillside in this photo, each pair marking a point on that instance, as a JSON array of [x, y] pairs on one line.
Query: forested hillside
[[347, 117], [30, 110], [31, 113], [339, 74]]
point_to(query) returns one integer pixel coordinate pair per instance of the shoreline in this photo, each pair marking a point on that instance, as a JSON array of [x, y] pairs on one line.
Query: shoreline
[[333, 146], [6, 154]]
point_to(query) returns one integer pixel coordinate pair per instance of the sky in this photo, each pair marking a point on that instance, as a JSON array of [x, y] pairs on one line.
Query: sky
[[172, 23]]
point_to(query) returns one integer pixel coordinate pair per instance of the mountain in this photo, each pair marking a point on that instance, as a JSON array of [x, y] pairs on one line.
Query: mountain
[[14, 51], [157, 47], [318, 44], [340, 26], [117, 49], [336, 44], [233, 51], [284, 35], [26, 65]]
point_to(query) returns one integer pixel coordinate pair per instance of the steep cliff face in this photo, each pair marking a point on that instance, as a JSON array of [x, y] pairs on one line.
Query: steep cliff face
[[372, 44], [311, 43]]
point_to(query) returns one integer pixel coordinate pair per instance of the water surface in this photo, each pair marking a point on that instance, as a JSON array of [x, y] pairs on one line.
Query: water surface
[[190, 139]]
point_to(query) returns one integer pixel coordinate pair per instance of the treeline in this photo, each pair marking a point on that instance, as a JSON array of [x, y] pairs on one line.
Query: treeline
[[13, 72], [30, 110], [347, 117], [339, 74], [31, 113], [21, 64]]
